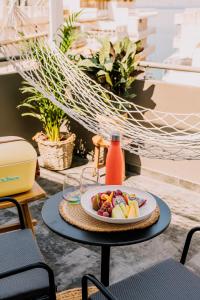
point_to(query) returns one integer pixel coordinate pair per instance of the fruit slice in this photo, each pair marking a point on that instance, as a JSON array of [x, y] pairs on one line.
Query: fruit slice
[[126, 197], [117, 213], [137, 211], [104, 196], [107, 197], [95, 202], [117, 200], [134, 209], [141, 202], [131, 212], [125, 209], [132, 197]]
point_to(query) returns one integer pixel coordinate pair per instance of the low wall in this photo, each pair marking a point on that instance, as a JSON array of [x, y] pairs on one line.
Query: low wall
[[159, 95], [169, 98], [11, 121]]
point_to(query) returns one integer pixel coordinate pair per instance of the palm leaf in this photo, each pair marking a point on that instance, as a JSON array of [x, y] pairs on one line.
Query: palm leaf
[[67, 32], [31, 114], [26, 105]]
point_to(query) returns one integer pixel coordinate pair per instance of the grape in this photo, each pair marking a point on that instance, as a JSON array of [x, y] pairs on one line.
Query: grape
[[106, 214], [108, 193], [100, 212], [118, 193]]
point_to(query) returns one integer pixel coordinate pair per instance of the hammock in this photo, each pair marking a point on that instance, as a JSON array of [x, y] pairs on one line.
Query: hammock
[[146, 132], [17, 23]]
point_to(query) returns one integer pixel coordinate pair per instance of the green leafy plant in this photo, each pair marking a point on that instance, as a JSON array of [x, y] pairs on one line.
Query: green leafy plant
[[45, 111], [36, 105], [67, 32], [114, 66]]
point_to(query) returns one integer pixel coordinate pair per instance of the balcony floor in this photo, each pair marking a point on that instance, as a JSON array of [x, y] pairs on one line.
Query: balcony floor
[[64, 256]]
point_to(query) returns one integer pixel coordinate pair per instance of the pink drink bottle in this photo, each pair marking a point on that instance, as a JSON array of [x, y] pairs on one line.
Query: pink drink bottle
[[114, 162]]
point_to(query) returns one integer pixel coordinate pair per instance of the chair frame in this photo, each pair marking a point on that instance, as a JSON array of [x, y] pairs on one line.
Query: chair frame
[[39, 265], [105, 291], [19, 210]]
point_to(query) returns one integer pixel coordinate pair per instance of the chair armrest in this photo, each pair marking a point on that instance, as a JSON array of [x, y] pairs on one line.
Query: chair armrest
[[39, 265], [19, 210], [98, 284], [187, 244]]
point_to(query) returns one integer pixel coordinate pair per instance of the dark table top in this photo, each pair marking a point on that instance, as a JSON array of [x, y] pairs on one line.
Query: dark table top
[[54, 221]]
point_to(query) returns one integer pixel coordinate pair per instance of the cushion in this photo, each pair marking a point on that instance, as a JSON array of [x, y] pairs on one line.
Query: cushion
[[17, 249], [168, 280]]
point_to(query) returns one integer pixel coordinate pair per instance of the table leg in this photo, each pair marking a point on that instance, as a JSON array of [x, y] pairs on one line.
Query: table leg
[[27, 217], [105, 264]]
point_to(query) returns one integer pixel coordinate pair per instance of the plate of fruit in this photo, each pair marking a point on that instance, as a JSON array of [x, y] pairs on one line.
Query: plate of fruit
[[118, 204]]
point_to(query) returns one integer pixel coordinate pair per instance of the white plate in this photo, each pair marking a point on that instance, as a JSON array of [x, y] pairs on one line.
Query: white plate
[[145, 211]]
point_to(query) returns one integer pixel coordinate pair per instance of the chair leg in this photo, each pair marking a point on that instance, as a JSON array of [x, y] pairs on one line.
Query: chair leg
[[187, 244], [96, 158], [84, 288], [107, 294], [27, 217]]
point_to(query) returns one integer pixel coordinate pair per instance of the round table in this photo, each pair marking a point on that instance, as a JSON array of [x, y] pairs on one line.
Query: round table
[[54, 221]]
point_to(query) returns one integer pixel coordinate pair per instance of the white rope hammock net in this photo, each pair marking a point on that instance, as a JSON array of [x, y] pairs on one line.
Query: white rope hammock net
[[17, 22], [63, 83], [13, 22]]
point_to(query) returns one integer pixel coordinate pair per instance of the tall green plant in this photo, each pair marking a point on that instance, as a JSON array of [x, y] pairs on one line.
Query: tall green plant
[[36, 105], [67, 32], [44, 110]]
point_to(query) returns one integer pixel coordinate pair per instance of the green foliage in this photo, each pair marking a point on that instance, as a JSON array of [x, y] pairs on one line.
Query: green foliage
[[44, 110], [114, 66], [36, 105], [67, 32]]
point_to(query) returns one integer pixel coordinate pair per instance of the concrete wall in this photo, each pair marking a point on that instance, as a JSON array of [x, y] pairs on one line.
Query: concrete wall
[[154, 94], [11, 121]]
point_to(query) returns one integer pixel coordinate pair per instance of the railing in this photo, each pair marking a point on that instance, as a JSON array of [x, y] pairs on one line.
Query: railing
[[21, 39], [163, 66]]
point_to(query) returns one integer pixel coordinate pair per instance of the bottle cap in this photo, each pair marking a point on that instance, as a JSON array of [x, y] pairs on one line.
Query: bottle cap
[[115, 136]]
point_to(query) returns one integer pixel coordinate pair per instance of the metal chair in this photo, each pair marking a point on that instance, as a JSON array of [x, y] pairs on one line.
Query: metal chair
[[168, 280], [23, 272]]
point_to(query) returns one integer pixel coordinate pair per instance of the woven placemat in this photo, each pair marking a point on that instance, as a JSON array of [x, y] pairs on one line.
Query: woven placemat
[[75, 294], [75, 215]]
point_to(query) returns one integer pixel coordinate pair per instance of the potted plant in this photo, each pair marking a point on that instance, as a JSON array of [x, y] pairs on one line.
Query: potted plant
[[114, 66], [55, 144], [55, 147]]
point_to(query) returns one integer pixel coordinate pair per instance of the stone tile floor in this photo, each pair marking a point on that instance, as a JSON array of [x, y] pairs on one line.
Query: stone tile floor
[[71, 260]]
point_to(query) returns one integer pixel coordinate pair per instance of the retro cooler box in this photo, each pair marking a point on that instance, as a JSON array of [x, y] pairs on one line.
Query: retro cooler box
[[17, 165]]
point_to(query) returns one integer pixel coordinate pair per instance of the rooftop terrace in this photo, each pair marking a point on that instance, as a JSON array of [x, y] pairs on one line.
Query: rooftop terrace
[[78, 96]]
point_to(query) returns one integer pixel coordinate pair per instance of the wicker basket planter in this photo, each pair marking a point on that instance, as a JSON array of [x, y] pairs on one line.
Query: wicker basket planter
[[56, 155]]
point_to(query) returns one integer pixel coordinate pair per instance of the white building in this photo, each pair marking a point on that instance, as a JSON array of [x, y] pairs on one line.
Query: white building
[[187, 47]]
